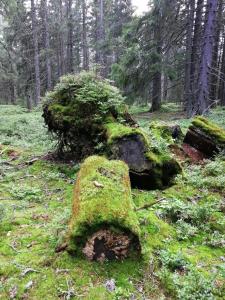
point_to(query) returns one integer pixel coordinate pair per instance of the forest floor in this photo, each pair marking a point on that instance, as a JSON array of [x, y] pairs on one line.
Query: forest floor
[[183, 234]]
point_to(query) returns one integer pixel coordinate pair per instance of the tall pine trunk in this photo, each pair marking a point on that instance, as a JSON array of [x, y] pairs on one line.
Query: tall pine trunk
[[195, 56], [215, 58], [189, 38], [84, 36], [36, 54], [157, 77], [222, 77], [201, 106], [47, 44], [69, 36]]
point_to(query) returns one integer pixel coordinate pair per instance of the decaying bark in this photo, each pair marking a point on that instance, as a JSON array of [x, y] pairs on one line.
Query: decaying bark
[[107, 245]]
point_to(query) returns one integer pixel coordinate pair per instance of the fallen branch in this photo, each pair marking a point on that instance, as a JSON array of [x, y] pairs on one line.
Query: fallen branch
[[146, 206]]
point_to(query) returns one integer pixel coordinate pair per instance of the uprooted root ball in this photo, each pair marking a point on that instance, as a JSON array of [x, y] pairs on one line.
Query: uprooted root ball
[[76, 110]]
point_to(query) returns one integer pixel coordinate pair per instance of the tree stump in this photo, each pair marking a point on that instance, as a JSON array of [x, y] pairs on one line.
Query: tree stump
[[104, 224], [148, 167], [206, 137]]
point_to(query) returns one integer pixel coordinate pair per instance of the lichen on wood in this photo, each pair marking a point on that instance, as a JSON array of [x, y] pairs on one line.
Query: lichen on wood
[[102, 209]]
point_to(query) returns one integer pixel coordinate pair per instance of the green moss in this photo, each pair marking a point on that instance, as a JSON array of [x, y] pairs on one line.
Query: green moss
[[109, 204], [162, 130], [210, 128], [115, 131], [155, 232]]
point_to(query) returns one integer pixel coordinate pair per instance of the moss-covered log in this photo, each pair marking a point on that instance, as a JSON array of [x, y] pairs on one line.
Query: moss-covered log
[[149, 168], [103, 222], [205, 136]]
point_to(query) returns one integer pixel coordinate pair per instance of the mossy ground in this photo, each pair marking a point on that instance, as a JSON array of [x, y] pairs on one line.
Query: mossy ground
[[182, 234]]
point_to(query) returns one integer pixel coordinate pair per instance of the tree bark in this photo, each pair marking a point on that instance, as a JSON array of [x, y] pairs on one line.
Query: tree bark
[[157, 77], [189, 35], [215, 58], [47, 44], [84, 36], [36, 54], [222, 77], [201, 106], [69, 36], [195, 55]]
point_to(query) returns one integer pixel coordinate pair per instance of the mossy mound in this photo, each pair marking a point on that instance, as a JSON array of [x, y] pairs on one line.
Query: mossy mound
[[149, 167], [169, 132], [76, 110], [102, 201], [206, 136]]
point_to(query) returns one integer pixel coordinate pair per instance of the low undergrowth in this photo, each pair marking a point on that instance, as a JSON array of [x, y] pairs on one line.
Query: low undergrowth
[[182, 229]]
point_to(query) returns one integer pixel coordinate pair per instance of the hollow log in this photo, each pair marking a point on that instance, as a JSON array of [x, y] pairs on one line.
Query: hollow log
[[103, 224], [149, 168], [206, 137]]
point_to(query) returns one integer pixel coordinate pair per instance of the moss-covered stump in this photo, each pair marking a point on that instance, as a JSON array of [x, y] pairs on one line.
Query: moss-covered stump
[[149, 168], [205, 136], [103, 224], [170, 132]]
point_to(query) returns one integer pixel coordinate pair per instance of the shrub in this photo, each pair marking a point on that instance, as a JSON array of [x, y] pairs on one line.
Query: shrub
[[76, 110]]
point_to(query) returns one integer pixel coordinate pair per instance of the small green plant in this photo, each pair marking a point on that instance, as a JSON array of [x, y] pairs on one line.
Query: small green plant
[[188, 212], [193, 286], [185, 231], [173, 261], [26, 193], [216, 239]]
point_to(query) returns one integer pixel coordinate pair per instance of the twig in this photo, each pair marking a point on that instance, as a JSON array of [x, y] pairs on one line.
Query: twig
[[146, 206]]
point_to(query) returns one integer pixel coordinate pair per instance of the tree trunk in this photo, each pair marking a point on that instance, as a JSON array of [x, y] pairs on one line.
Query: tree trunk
[[201, 106], [157, 77], [84, 37], [36, 54], [189, 35], [47, 44], [215, 58], [222, 77], [69, 36], [61, 41], [195, 56]]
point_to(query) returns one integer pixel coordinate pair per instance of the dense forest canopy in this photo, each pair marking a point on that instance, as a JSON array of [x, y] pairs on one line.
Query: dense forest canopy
[[173, 52]]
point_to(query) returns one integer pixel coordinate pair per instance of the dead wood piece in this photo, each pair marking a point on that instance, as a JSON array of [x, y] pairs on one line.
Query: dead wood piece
[[107, 245]]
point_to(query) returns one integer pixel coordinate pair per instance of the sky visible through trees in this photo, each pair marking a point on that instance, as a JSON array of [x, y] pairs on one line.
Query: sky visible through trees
[[164, 51]]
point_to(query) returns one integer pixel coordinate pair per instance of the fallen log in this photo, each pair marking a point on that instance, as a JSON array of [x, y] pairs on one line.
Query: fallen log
[[103, 224], [149, 167], [206, 137]]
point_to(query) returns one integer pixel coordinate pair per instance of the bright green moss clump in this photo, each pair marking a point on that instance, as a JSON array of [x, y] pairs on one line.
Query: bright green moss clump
[[102, 199], [209, 128]]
